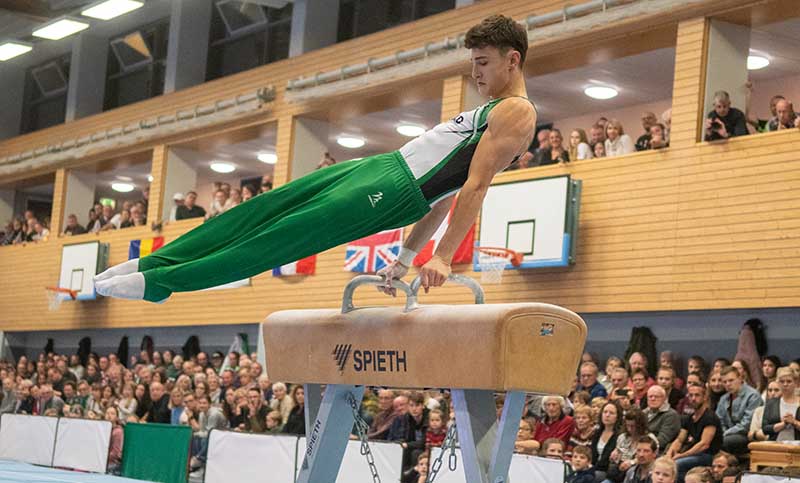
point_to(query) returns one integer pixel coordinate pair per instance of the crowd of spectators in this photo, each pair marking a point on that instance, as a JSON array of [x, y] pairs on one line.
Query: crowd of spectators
[[617, 425], [25, 229]]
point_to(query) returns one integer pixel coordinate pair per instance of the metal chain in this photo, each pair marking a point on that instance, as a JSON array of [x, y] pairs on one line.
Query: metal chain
[[450, 441], [361, 428]]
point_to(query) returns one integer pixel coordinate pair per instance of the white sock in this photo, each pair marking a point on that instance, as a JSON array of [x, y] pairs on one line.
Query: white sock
[[131, 266], [129, 286]]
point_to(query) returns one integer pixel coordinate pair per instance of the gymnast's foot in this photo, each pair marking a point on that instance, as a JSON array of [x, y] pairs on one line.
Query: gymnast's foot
[[131, 266], [130, 286]]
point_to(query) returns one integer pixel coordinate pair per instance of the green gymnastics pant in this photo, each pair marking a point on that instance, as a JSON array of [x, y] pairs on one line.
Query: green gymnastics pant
[[324, 209]]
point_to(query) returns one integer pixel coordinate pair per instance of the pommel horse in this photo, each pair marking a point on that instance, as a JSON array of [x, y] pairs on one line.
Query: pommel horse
[[475, 350]]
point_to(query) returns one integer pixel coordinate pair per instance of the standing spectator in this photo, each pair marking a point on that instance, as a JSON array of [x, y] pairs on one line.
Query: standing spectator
[[158, 410], [617, 142], [255, 413], [735, 410], [666, 379], [296, 424], [597, 135], [646, 452], [177, 200], [760, 125], [700, 437], [784, 116], [555, 423], [782, 415], [589, 383], [117, 440], [662, 420], [73, 228], [724, 121], [604, 441], [649, 119], [189, 208]]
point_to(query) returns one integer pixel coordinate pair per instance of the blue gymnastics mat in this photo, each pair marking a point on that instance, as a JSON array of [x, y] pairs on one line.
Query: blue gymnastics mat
[[16, 472]]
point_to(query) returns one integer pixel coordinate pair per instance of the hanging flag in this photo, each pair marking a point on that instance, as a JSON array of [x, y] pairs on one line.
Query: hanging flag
[[305, 266], [462, 255], [240, 345], [145, 246], [371, 253]]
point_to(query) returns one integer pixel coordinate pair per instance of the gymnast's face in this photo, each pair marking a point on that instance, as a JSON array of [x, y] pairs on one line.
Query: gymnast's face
[[492, 69]]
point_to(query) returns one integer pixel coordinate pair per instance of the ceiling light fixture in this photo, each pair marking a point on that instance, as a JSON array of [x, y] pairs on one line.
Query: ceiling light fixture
[[60, 28], [122, 187], [756, 62], [411, 130], [149, 178], [12, 48], [109, 9], [350, 142], [601, 92], [223, 167], [269, 158]]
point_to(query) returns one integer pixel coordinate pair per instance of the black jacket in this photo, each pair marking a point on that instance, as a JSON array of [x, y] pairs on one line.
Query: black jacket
[[772, 416], [601, 460]]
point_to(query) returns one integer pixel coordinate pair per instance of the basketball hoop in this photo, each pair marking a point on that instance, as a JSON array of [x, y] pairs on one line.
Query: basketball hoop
[[493, 261], [54, 298]]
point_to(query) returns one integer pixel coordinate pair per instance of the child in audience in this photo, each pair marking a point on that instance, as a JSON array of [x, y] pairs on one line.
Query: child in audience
[[436, 432], [599, 150], [664, 470], [582, 470], [699, 474], [553, 448], [274, 422]]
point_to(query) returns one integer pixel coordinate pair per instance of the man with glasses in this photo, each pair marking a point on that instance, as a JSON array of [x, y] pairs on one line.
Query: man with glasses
[[589, 383]]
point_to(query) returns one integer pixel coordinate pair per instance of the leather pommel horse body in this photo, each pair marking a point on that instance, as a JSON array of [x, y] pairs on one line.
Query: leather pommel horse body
[[475, 350]]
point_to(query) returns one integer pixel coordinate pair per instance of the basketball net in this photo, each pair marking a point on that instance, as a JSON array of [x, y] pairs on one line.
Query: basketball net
[[493, 263], [54, 296]]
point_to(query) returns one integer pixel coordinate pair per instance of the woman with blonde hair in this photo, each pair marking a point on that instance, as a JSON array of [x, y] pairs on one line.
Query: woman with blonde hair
[[579, 145], [664, 471], [617, 142], [782, 414], [699, 474]]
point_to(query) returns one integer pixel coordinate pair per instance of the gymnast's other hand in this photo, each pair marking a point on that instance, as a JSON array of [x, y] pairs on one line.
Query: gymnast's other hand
[[434, 273], [393, 271]]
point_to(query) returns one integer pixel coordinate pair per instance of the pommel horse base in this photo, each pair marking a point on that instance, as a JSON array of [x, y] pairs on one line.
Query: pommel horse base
[[488, 348]]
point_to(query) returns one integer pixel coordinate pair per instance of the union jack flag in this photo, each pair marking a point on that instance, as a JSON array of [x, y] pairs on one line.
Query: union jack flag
[[371, 253]]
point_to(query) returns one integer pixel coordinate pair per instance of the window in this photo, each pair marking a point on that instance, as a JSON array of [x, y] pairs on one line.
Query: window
[[136, 65], [46, 95], [245, 35], [362, 17]]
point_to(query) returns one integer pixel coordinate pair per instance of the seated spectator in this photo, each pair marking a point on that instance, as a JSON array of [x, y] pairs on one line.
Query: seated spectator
[[604, 441], [74, 412], [525, 444], [585, 428], [664, 471], [612, 364], [697, 364], [684, 405], [48, 400], [646, 452], [735, 410], [410, 428], [744, 369], [662, 420], [274, 422], [597, 135], [579, 145], [437, 429], [266, 183], [599, 150], [189, 208], [543, 141], [760, 125], [117, 441], [176, 407], [617, 142], [619, 381], [281, 401], [139, 215], [785, 117], [552, 448], [105, 218], [782, 415], [555, 423], [722, 462], [8, 396], [555, 153], [731, 475], [234, 199], [17, 233], [637, 360], [769, 369], [700, 474], [639, 388], [73, 228], [94, 224], [624, 455], [26, 401], [666, 379], [204, 421], [158, 410], [582, 469], [724, 121], [125, 220], [716, 389], [70, 394], [419, 473], [248, 191], [700, 437], [649, 119], [296, 424], [589, 382], [756, 433], [658, 136], [126, 405]]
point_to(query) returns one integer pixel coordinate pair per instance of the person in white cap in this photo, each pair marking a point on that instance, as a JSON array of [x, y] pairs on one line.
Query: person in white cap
[[178, 199]]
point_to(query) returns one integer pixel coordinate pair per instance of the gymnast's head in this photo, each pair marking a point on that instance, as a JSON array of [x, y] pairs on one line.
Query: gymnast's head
[[498, 47]]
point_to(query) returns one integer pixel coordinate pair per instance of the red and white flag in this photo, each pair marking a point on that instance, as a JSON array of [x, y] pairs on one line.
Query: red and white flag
[[463, 253], [305, 266]]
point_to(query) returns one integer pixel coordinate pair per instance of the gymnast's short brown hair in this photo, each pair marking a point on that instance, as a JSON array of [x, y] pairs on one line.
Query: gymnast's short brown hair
[[501, 32]]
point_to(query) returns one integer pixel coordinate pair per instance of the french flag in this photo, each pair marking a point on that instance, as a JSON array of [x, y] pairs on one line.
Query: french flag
[[305, 266], [462, 255]]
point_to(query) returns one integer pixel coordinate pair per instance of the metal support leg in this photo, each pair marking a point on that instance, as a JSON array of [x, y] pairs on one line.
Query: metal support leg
[[506, 435], [313, 399], [476, 417], [327, 438]]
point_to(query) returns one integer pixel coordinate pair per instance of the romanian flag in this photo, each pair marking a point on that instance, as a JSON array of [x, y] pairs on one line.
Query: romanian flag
[[306, 266], [144, 247], [462, 255]]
